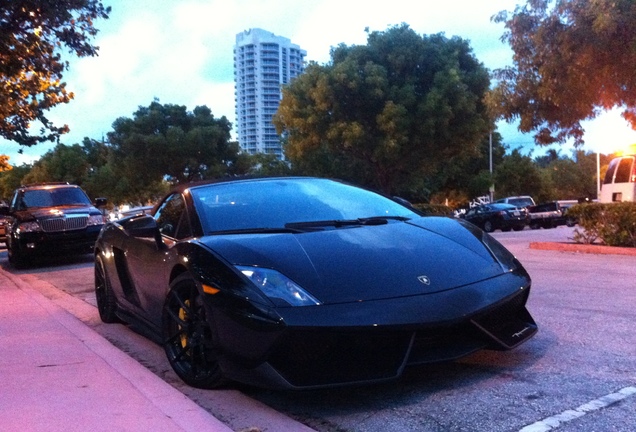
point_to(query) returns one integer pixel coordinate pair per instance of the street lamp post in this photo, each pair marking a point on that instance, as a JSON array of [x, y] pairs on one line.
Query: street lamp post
[[598, 176]]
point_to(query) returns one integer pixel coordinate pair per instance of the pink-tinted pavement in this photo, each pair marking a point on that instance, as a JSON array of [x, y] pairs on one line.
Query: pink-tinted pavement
[[583, 248], [57, 374]]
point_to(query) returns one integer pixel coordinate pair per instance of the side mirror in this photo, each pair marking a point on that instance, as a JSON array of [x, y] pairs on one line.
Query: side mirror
[[141, 226], [144, 226], [100, 202]]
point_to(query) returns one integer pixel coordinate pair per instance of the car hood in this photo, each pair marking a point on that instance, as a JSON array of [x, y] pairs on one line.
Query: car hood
[[53, 212], [362, 263]]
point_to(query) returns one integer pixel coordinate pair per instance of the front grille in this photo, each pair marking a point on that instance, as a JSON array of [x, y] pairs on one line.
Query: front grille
[[68, 223], [315, 358], [445, 343]]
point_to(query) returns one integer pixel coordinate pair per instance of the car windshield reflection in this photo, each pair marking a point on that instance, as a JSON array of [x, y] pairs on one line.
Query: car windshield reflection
[[53, 197], [291, 204]]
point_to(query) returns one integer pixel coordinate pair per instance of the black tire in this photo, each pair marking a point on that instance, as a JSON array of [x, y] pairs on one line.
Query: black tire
[[518, 228], [187, 336], [16, 258], [488, 227], [106, 300]]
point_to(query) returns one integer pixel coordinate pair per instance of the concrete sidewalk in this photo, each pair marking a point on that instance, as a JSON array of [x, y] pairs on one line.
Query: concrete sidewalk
[[60, 375]]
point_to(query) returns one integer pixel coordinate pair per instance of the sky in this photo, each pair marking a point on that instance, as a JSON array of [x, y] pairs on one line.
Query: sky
[[181, 52]]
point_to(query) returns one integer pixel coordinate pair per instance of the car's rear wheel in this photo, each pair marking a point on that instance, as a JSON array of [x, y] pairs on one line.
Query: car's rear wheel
[[106, 301], [518, 228], [488, 226], [187, 336]]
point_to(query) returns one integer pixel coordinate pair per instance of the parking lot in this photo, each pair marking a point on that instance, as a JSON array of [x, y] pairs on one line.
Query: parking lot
[[577, 374]]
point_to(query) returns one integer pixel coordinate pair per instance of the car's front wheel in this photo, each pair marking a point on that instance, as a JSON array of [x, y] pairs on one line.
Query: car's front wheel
[[187, 338], [17, 259], [488, 227], [106, 301]]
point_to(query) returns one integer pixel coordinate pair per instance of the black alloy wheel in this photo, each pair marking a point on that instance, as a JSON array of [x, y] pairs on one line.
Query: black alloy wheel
[[106, 301], [488, 226], [187, 336]]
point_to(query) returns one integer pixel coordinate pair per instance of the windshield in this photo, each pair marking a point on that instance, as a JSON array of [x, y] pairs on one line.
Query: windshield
[[520, 202], [275, 203], [53, 197]]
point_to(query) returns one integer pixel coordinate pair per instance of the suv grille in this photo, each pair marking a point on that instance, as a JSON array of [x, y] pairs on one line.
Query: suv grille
[[68, 223]]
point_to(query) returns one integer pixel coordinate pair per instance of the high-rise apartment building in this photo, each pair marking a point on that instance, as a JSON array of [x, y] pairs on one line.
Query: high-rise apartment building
[[263, 62]]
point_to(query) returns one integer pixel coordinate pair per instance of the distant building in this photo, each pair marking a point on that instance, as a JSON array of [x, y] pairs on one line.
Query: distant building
[[263, 62]]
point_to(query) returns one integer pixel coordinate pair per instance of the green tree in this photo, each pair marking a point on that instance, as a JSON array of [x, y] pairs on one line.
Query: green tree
[[33, 34], [166, 142], [574, 178], [517, 174], [469, 175], [387, 113], [572, 60], [263, 164], [61, 164], [11, 179], [550, 156], [567, 179]]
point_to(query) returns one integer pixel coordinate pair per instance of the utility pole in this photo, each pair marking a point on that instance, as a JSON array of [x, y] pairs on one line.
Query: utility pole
[[491, 189]]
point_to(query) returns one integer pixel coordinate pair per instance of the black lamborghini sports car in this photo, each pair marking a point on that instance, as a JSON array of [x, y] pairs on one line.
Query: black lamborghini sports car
[[299, 282]]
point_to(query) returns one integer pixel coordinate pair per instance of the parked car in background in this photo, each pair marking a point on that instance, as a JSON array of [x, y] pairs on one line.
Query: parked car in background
[[517, 201], [297, 282], [547, 215], [3, 223], [126, 210], [50, 219], [505, 217]]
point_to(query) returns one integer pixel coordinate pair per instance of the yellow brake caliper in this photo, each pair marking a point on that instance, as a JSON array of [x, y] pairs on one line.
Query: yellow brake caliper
[[183, 316]]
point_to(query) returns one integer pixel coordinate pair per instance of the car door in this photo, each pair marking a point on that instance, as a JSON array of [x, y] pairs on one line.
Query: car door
[[477, 216], [149, 262]]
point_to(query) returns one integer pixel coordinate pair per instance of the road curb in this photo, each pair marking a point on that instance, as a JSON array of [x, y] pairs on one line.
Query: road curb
[[583, 248]]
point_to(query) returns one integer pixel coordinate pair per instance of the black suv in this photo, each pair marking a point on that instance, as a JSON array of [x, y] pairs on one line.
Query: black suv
[[49, 219]]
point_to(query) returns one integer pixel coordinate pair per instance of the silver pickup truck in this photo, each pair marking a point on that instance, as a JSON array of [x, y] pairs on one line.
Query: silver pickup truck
[[547, 215]]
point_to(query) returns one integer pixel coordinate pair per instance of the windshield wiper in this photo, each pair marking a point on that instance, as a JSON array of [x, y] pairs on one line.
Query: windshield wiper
[[338, 223], [383, 219]]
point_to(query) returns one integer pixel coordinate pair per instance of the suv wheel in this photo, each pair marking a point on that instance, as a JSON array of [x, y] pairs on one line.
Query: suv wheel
[[17, 258]]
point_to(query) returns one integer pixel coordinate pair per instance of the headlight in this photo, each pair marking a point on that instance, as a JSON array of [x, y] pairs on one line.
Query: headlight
[[277, 286], [29, 227], [96, 220]]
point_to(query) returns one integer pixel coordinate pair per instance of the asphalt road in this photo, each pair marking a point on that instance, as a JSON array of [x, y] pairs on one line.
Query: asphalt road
[[577, 374]]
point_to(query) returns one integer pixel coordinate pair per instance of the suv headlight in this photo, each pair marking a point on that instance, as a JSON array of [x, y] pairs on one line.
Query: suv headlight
[[278, 286], [95, 220], [32, 226]]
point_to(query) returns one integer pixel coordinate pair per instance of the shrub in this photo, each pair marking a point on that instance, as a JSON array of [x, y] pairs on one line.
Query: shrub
[[613, 223], [434, 209]]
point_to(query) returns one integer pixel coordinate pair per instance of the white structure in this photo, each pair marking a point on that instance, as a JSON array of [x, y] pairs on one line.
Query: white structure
[[263, 62]]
